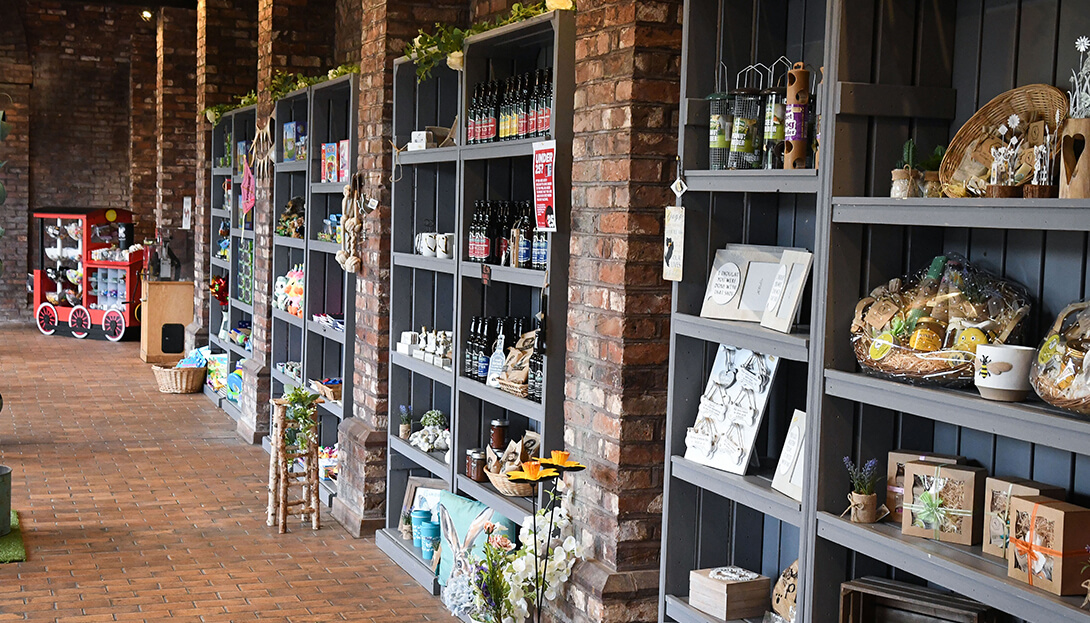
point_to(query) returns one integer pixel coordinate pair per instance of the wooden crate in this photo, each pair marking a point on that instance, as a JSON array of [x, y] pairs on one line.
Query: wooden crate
[[877, 600]]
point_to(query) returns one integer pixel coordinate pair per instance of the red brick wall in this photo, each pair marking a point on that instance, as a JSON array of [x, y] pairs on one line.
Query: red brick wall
[[15, 78], [349, 31], [175, 113], [226, 63], [142, 122]]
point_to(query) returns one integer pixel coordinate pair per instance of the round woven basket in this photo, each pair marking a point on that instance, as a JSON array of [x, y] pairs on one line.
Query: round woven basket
[[179, 380], [508, 488], [1033, 102], [914, 367], [1046, 387]]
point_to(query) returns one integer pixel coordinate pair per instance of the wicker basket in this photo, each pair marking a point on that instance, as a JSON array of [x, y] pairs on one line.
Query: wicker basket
[[1046, 387], [331, 393], [1034, 102], [508, 488], [179, 380], [916, 368]]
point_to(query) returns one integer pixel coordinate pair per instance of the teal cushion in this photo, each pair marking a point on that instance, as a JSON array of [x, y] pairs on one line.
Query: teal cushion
[[461, 525]]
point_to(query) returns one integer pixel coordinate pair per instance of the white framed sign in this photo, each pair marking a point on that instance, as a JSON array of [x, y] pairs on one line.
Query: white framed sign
[[741, 280], [789, 470]]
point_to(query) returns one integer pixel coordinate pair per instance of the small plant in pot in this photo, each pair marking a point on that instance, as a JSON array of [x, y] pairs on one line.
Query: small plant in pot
[[863, 499], [406, 428], [905, 179]]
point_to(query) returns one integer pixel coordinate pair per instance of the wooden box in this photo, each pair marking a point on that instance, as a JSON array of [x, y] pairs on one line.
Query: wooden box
[[1056, 544], [895, 476], [997, 494], [960, 488], [166, 308], [876, 600], [729, 592]]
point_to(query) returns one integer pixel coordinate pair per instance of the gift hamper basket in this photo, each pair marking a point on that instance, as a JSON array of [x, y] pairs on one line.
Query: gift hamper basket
[[1058, 375], [924, 329]]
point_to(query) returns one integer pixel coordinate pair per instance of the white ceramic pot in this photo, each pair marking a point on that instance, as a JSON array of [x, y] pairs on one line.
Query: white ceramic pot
[[1002, 371]]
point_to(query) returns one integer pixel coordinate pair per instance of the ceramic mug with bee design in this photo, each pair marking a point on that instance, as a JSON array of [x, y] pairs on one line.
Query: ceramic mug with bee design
[[1002, 371]]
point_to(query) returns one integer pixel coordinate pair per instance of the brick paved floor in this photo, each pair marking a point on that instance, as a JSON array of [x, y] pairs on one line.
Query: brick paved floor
[[138, 505]]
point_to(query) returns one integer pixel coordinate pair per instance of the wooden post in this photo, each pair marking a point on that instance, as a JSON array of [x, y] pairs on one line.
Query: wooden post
[[277, 427]]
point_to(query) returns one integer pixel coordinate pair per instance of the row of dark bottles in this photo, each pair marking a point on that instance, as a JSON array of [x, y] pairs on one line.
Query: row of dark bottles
[[484, 335], [505, 110], [503, 233]]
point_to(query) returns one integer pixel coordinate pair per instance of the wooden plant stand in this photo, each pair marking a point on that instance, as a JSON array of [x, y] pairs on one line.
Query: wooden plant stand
[[282, 478]]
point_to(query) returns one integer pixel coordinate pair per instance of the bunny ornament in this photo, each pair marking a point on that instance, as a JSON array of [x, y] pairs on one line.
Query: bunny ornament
[[462, 547]]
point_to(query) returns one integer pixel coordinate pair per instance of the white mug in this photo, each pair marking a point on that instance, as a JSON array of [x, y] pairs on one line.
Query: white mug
[[1001, 371], [444, 246], [425, 244]]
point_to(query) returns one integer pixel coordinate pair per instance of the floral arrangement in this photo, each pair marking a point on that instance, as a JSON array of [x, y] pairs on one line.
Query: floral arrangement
[[282, 84], [863, 478], [511, 584], [300, 415], [1005, 157], [427, 50], [1080, 82]]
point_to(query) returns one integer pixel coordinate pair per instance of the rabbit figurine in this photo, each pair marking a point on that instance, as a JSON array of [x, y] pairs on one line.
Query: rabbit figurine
[[462, 547]]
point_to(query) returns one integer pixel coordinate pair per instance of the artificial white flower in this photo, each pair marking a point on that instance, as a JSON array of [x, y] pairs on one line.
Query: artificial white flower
[[559, 5], [1014, 121], [456, 61], [1082, 44], [1002, 129]]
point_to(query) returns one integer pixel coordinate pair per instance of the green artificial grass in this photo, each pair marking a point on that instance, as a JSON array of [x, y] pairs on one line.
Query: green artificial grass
[[11, 545]]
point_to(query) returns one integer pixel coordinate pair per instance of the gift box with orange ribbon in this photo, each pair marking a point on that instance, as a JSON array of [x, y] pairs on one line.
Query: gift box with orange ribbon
[[997, 495], [1048, 543], [944, 502]]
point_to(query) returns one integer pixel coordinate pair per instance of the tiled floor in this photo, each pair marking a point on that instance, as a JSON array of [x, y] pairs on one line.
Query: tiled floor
[[145, 506]]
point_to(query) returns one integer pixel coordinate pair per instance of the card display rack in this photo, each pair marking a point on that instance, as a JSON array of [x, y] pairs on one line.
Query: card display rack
[[435, 191]]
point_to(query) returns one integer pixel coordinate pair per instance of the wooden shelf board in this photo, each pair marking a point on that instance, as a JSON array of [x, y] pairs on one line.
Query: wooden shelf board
[[754, 491], [322, 246], [284, 379], [800, 181], [327, 188], [959, 568], [526, 408], [431, 461], [1034, 422], [435, 373], [679, 611], [294, 166], [428, 156], [514, 509], [1028, 214], [285, 241], [434, 264], [279, 314], [749, 335], [501, 149], [407, 557], [505, 274]]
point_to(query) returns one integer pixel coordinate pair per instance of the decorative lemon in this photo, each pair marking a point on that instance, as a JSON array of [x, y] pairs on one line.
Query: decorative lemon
[[1049, 350], [969, 339], [882, 345]]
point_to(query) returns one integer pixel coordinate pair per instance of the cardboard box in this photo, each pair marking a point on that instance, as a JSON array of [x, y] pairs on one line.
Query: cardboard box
[[960, 491], [1048, 544], [329, 162], [344, 161], [877, 600], [422, 137], [289, 141], [895, 476], [300, 141], [729, 592], [997, 493]]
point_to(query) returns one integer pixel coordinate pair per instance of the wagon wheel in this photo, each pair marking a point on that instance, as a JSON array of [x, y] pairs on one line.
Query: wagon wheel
[[46, 317], [79, 320], [113, 324]]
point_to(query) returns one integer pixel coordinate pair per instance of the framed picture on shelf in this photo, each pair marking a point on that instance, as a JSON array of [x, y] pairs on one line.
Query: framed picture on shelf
[[731, 409], [788, 477], [423, 494], [784, 299], [741, 281]]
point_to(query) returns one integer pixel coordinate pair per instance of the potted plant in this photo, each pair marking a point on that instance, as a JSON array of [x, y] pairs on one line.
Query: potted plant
[[434, 418], [863, 499], [905, 179], [406, 428]]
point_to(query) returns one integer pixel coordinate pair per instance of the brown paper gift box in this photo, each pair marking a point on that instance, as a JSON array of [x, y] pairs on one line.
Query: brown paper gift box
[[895, 476], [1057, 544], [729, 599], [997, 492], [962, 493]]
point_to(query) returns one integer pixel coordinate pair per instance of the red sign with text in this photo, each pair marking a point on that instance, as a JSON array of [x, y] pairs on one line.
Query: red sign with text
[[545, 185]]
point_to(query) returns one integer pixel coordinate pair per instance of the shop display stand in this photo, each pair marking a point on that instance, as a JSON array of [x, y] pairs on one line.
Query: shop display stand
[[237, 125], [891, 71], [435, 191]]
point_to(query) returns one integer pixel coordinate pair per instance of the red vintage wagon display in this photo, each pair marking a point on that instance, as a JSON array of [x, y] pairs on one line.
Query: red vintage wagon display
[[88, 278]]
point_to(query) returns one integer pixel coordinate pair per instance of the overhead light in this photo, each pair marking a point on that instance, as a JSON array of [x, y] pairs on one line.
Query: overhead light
[[146, 15]]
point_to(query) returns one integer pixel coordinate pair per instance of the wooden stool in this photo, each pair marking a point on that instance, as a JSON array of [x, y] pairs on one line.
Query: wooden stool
[[281, 476]]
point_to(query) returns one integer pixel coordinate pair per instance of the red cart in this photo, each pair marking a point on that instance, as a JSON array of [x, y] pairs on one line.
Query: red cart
[[84, 284]]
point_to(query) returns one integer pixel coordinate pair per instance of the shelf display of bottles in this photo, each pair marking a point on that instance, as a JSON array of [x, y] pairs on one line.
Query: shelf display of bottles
[[502, 233], [518, 107], [491, 334]]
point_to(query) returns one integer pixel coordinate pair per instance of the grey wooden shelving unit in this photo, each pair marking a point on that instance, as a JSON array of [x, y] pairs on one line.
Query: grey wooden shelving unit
[[239, 124], [892, 70], [435, 191], [330, 110]]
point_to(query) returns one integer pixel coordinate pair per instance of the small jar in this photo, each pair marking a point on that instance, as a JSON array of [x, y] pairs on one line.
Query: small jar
[[928, 335], [1072, 364], [498, 435], [930, 185], [475, 465], [904, 183]]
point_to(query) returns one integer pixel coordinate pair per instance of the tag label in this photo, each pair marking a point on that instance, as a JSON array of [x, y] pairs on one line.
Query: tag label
[[486, 274], [673, 254]]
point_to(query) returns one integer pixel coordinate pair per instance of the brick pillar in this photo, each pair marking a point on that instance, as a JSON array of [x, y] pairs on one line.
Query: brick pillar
[[142, 137], [627, 68], [175, 125], [226, 69], [293, 36], [15, 149], [361, 483]]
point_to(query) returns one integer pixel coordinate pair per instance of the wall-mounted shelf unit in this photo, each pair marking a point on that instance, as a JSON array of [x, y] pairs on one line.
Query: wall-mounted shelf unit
[[892, 70], [436, 192]]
